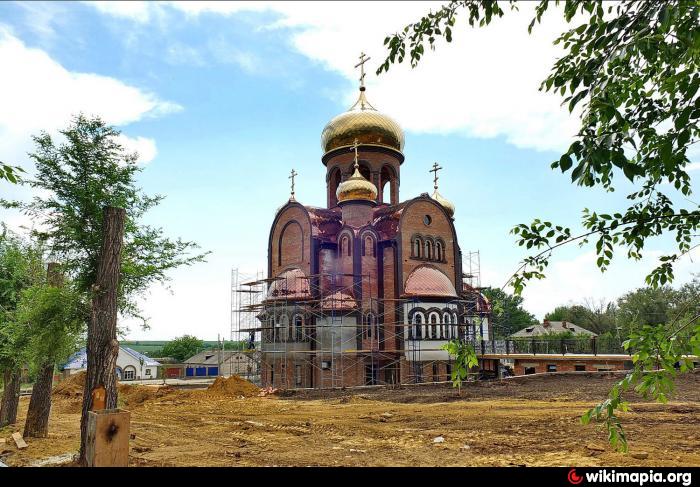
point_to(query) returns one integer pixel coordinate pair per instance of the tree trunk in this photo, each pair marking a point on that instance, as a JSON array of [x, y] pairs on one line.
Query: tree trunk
[[102, 344], [37, 423], [10, 397]]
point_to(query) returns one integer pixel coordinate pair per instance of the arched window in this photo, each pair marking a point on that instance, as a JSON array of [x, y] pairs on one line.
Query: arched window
[[446, 326], [345, 247], [439, 251], [298, 328], [417, 247], [418, 326], [368, 246], [283, 328], [433, 329], [428, 250], [455, 326], [370, 328]]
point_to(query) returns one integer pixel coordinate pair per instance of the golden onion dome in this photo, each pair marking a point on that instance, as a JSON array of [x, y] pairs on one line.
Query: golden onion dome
[[364, 123], [356, 187], [445, 203]]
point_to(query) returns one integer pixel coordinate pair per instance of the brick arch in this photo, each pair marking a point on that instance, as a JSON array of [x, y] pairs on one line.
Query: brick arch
[[291, 244]]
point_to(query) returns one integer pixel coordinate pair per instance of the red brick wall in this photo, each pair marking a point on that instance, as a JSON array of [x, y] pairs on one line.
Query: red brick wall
[[372, 159], [412, 223], [565, 365], [295, 241]]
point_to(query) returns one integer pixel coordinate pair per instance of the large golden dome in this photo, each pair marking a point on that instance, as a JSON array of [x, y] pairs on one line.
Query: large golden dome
[[364, 123], [356, 187]]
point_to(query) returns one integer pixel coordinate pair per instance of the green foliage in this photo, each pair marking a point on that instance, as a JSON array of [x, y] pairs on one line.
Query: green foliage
[[20, 268], [54, 319], [183, 347], [10, 173], [76, 179], [465, 360], [508, 315]]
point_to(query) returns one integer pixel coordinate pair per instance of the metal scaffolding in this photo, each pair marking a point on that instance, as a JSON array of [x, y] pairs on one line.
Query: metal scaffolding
[[304, 339]]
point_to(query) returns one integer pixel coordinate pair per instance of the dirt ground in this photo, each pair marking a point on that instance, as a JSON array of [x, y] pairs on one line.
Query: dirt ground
[[533, 421]]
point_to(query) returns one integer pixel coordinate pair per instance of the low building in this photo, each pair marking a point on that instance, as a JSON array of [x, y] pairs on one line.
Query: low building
[[212, 363], [552, 328], [131, 365]]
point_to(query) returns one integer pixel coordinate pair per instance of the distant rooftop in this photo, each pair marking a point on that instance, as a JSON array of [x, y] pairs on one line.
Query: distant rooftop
[[551, 327]]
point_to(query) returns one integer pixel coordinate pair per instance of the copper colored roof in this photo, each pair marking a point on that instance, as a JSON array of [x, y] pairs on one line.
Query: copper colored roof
[[291, 284], [386, 220], [339, 300], [325, 223], [428, 281]]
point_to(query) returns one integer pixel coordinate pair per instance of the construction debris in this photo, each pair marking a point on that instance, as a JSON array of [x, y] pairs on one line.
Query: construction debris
[[438, 439], [19, 441]]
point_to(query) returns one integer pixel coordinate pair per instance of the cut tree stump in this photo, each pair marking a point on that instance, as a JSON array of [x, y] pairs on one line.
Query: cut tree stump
[[19, 441], [108, 438]]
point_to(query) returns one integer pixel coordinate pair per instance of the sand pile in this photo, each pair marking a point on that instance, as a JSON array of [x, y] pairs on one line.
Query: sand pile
[[71, 386], [232, 386]]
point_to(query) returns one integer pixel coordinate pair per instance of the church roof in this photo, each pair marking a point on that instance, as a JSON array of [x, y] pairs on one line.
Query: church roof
[[325, 223], [428, 281], [339, 300], [386, 220], [290, 284]]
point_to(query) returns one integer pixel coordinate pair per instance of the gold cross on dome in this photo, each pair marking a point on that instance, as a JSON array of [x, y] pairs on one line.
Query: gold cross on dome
[[361, 65], [354, 147], [292, 175], [435, 170]]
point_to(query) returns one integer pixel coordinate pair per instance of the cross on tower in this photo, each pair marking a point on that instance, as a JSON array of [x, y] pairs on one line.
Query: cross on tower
[[292, 175], [354, 147], [361, 65], [435, 170]]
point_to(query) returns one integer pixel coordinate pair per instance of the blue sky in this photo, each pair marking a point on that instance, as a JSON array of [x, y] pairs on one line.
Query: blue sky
[[222, 100]]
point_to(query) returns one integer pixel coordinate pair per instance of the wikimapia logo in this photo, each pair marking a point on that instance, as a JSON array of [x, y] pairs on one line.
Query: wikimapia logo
[[637, 478]]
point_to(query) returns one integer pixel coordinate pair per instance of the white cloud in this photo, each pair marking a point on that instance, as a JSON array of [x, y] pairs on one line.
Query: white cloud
[[136, 11], [574, 280], [145, 147], [693, 166], [484, 84], [37, 93]]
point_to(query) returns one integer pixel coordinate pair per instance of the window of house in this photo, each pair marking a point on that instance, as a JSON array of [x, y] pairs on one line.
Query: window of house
[[438, 251], [551, 368], [448, 371], [417, 245], [368, 247], [446, 326], [429, 250], [418, 329], [298, 328], [148, 371], [436, 373], [326, 365], [529, 370], [433, 329], [427, 220], [297, 375], [283, 328], [580, 367], [129, 374]]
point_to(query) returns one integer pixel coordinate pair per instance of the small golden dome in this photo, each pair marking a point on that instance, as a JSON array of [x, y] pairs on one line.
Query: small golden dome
[[356, 187], [364, 123], [445, 203]]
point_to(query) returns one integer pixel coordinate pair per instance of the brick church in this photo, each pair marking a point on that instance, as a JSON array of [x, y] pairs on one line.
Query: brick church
[[366, 289]]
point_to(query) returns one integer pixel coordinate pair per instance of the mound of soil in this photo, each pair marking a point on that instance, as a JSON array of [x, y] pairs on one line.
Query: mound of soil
[[233, 386], [71, 386]]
